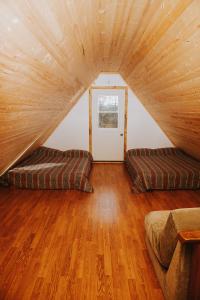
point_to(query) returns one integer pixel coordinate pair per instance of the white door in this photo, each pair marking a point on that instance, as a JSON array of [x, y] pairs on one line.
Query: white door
[[108, 124]]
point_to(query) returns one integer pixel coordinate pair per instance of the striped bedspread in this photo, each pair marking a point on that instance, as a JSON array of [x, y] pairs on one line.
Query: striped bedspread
[[163, 169], [53, 169]]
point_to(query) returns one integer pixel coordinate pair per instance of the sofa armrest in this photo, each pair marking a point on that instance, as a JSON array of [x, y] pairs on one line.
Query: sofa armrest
[[189, 236], [192, 239]]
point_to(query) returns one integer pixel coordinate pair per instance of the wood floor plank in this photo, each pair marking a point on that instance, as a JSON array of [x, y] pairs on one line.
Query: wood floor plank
[[74, 245]]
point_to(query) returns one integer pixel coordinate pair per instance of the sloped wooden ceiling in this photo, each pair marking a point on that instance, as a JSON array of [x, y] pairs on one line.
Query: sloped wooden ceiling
[[51, 51]]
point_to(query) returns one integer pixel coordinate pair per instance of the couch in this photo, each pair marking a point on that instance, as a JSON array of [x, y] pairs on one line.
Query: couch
[[170, 255]]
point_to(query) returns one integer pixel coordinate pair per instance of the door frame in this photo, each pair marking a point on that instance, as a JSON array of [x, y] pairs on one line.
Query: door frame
[[125, 88]]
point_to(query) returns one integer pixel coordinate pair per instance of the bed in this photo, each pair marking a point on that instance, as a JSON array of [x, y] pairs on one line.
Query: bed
[[162, 169], [48, 168]]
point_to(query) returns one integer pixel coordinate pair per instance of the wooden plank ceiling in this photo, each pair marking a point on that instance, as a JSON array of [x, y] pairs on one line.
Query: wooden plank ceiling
[[51, 51]]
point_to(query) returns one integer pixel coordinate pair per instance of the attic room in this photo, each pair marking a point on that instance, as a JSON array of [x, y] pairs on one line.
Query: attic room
[[100, 159]]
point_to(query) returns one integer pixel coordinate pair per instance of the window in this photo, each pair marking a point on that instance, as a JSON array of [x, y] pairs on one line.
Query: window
[[108, 111]]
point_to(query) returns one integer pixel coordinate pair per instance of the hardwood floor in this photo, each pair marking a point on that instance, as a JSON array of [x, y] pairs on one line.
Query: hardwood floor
[[74, 245]]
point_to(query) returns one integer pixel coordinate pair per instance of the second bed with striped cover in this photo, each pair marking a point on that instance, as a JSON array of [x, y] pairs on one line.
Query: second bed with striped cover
[[163, 169]]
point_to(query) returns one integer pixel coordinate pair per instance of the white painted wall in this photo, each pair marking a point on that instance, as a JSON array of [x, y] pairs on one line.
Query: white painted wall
[[72, 132], [109, 80], [142, 131]]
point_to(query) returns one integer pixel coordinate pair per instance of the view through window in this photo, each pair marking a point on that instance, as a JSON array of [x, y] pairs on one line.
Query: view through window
[[108, 111]]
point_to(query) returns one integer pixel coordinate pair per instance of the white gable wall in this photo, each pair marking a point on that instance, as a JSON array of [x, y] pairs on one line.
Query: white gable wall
[[72, 132], [142, 130]]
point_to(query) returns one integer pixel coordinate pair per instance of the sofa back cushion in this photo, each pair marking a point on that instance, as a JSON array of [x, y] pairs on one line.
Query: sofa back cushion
[[178, 220]]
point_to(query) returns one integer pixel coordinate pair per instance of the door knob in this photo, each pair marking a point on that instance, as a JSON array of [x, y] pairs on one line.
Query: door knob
[[121, 134]]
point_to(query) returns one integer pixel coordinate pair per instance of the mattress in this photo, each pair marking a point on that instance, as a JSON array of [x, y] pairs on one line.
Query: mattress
[[163, 169], [48, 168]]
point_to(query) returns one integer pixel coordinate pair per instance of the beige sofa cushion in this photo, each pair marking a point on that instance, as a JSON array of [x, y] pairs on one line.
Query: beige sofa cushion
[[155, 223], [179, 220], [162, 228]]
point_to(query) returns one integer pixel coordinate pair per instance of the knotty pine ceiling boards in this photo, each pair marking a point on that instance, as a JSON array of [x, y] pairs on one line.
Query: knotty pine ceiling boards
[[52, 50]]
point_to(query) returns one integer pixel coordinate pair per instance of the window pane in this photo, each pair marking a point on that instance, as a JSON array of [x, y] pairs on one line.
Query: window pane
[[108, 103], [108, 120]]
